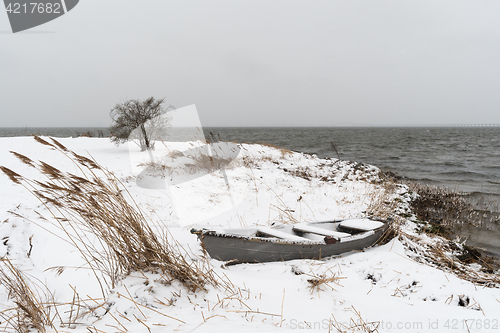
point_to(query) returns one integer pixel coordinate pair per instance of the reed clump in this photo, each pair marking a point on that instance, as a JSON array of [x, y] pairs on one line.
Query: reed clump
[[444, 209], [449, 214], [386, 205], [383, 203], [441, 213], [30, 312], [112, 235], [445, 254]]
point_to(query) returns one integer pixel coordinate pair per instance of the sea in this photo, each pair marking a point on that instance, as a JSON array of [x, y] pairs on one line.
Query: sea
[[465, 159]]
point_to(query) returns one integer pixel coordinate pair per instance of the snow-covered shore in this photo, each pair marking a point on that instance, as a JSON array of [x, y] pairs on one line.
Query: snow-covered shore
[[384, 285]]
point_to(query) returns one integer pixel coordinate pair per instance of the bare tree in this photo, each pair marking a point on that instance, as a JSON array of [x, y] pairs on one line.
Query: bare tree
[[141, 120]]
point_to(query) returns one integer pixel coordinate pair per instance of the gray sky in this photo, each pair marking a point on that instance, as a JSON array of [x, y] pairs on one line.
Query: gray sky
[[258, 62]]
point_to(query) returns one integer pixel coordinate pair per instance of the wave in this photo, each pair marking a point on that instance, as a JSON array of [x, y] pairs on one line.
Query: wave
[[483, 193], [423, 180], [470, 174], [456, 164], [492, 167]]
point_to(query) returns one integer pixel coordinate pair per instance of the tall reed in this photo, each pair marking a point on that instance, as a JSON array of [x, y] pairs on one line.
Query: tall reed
[[113, 235], [30, 312]]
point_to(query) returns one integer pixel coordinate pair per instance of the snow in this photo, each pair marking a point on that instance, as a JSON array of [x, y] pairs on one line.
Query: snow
[[319, 231], [356, 237], [386, 284], [361, 224], [281, 235]]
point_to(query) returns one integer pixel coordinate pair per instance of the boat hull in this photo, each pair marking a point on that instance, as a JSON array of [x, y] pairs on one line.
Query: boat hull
[[254, 250]]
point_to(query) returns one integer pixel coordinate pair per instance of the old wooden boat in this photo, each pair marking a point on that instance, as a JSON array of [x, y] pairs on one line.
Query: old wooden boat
[[290, 241]]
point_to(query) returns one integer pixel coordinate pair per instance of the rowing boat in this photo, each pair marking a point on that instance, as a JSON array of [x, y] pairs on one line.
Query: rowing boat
[[280, 242]]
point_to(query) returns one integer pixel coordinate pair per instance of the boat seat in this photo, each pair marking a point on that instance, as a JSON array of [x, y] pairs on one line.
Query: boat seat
[[319, 231], [280, 234], [361, 224]]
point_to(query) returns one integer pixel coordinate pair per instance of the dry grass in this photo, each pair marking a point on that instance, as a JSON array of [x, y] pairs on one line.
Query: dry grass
[[157, 169], [318, 282], [285, 214], [382, 203], [199, 162], [442, 254], [385, 205], [446, 211], [449, 214], [284, 152], [357, 324], [30, 312], [209, 164], [112, 235], [443, 207], [35, 306]]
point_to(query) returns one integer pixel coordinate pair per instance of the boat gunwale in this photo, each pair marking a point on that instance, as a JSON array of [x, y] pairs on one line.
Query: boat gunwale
[[214, 233]]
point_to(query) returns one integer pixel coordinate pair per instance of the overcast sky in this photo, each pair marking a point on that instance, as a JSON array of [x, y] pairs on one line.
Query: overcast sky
[[258, 62]]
